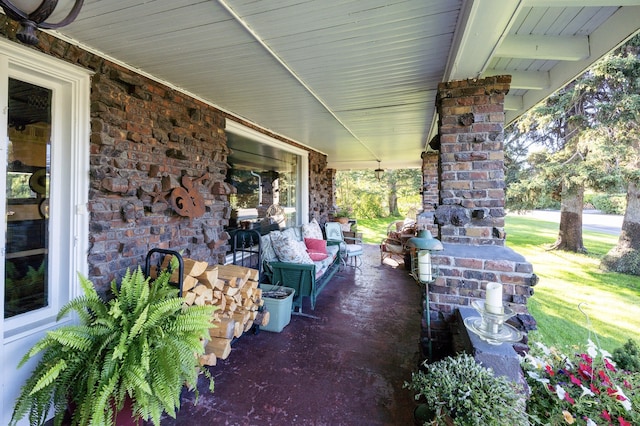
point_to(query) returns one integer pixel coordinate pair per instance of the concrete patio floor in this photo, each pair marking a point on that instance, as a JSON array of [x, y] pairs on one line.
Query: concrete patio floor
[[347, 367]]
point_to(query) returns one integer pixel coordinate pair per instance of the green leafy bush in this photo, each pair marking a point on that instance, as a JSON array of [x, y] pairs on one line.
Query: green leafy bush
[[367, 205], [627, 357], [608, 203], [461, 389], [623, 260]]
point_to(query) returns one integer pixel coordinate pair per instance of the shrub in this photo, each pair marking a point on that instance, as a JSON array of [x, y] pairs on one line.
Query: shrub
[[627, 357], [367, 205], [622, 260], [470, 394], [608, 203]]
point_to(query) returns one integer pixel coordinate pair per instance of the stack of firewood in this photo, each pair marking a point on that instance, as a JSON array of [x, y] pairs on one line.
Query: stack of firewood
[[234, 290]]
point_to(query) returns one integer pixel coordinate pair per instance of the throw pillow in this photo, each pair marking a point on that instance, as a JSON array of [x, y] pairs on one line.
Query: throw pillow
[[315, 245], [312, 230], [317, 257], [316, 248], [268, 254], [289, 250]]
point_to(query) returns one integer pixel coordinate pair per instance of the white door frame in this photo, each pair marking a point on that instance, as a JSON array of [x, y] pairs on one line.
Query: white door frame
[[69, 221]]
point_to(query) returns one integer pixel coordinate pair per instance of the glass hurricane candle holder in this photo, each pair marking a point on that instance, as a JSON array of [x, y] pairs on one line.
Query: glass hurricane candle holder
[[492, 327]]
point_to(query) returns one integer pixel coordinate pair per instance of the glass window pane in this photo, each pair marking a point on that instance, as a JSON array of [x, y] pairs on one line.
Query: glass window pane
[[263, 176], [27, 198]]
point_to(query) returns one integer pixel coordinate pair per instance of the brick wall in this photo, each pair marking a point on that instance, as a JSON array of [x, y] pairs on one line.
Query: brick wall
[[471, 209], [144, 138]]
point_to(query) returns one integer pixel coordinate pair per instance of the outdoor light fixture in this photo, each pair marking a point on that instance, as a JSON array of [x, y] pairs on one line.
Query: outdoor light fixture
[[31, 14], [378, 172], [422, 270], [422, 245]]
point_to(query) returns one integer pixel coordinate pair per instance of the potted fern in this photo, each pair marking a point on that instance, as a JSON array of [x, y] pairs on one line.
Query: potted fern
[[137, 349]]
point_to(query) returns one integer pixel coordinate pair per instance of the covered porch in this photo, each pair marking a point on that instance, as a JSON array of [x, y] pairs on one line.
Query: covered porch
[[137, 113], [346, 367]]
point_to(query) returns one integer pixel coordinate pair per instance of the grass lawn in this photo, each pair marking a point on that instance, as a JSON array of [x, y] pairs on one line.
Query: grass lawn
[[611, 300], [375, 230]]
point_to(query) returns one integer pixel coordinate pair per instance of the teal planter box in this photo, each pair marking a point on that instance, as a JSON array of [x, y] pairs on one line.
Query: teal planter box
[[279, 308]]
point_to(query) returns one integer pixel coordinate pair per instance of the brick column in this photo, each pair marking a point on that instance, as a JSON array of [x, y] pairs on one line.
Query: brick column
[[321, 188], [430, 190], [469, 162], [471, 209]]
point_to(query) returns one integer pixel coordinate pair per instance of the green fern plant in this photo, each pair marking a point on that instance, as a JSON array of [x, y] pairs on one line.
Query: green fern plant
[[140, 345]]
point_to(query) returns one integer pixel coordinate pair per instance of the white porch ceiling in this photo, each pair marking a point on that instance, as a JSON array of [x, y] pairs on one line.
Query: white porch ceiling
[[354, 79]]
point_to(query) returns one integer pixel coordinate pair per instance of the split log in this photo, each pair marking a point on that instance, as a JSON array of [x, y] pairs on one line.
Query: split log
[[189, 298], [242, 271], [188, 282], [229, 280], [226, 327], [209, 277], [207, 359], [231, 291], [194, 268], [219, 346], [241, 316], [219, 284], [221, 303], [262, 318]]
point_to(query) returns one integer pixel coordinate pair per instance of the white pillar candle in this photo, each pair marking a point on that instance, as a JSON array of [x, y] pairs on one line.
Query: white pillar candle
[[493, 301], [424, 266]]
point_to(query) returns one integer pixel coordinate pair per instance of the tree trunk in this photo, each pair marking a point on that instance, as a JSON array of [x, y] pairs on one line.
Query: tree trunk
[[393, 199], [625, 256], [570, 231]]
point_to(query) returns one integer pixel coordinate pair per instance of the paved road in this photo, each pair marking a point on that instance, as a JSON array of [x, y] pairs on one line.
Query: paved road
[[592, 220]]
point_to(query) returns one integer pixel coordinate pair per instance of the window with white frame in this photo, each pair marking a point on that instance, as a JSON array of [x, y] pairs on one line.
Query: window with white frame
[[269, 177]]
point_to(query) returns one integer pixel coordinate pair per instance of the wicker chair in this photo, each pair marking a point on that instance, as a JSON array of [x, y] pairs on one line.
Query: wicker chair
[[393, 246]]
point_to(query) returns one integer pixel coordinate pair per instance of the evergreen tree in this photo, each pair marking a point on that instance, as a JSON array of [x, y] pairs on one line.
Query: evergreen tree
[[615, 145]]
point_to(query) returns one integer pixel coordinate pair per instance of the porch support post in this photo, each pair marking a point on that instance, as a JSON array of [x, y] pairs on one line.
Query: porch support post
[[471, 124]]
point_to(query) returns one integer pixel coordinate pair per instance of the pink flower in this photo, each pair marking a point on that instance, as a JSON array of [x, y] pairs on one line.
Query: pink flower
[[605, 415], [614, 392], [575, 380], [609, 366], [585, 371], [549, 370], [594, 389], [604, 377], [568, 398], [586, 358], [623, 422]]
